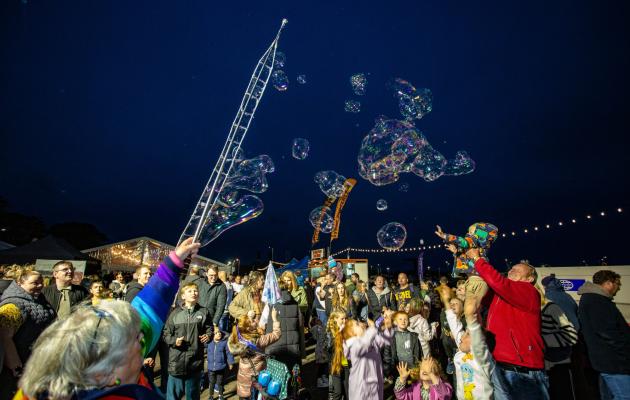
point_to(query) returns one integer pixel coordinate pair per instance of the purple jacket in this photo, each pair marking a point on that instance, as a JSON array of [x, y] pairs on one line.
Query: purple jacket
[[441, 391], [366, 374]]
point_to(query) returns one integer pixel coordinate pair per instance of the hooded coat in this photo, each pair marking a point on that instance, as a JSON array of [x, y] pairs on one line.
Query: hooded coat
[[251, 363], [213, 298], [606, 333], [554, 291], [378, 301]]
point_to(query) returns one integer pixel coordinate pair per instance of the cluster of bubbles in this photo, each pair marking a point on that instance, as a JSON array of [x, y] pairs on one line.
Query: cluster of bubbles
[[232, 207], [413, 103], [280, 80], [381, 205], [300, 148], [352, 106], [392, 236], [330, 183], [301, 79], [394, 147], [322, 218], [358, 83]]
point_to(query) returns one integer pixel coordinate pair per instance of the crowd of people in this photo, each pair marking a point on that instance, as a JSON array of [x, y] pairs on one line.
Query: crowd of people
[[485, 335]]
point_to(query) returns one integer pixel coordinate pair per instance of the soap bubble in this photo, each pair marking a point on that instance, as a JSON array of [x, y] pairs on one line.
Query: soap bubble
[[222, 218], [388, 150], [422, 242], [250, 174], [352, 106], [330, 182], [381, 205], [301, 79], [392, 236], [460, 165], [358, 82], [413, 103], [280, 59], [428, 164], [404, 187], [300, 148], [322, 217], [280, 80]]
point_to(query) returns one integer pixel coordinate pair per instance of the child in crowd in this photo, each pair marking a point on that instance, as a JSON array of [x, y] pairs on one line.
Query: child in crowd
[[249, 343], [480, 235], [429, 382], [339, 366], [186, 331], [419, 325], [321, 353], [474, 364], [219, 359], [362, 348], [405, 346]]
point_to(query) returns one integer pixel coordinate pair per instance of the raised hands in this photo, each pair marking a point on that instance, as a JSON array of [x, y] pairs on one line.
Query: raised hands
[[403, 371], [439, 232]]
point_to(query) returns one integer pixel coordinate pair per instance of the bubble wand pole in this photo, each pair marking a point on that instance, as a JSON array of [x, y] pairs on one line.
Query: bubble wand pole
[[253, 94]]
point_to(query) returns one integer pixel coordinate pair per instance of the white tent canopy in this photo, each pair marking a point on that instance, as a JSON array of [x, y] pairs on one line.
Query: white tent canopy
[[130, 254]]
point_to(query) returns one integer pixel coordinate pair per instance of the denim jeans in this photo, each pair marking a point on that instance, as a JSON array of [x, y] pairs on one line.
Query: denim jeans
[[188, 385], [224, 323], [513, 385], [614, 386], [321, 315]]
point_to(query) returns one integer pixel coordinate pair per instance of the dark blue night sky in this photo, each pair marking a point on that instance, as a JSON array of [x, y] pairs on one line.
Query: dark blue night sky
[[113, 113]]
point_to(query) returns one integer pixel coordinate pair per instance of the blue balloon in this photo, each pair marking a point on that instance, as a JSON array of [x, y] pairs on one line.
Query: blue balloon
[[264, 377], [274, 388]]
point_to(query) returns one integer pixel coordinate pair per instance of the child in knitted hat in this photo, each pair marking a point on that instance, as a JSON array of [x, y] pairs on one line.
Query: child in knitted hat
[[480, 235]]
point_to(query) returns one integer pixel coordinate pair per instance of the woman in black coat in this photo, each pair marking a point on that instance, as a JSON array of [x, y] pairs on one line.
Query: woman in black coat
[[289, 350]]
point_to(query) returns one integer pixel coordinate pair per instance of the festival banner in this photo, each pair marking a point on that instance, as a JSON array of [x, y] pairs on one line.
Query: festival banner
[[347, 187], [421, 266], [329, 202]]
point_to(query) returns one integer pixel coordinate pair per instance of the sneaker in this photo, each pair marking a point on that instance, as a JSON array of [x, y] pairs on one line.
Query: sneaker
[[450, 368]]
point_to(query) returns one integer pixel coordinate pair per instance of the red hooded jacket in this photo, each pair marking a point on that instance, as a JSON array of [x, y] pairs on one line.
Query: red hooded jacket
[[513, 319]]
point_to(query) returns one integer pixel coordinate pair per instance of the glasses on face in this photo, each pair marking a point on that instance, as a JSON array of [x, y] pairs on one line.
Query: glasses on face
[[64, 270]]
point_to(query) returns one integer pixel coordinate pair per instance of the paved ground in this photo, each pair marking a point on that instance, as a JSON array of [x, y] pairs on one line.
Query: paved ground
[[308, 379]]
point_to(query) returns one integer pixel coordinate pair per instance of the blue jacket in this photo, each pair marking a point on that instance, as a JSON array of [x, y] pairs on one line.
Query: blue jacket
[[219, 356]]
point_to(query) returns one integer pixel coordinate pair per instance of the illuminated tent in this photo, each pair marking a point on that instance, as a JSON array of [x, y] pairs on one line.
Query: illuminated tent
[[130, 254]]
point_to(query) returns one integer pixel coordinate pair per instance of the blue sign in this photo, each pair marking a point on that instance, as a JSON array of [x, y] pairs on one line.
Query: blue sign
[[571, 285]]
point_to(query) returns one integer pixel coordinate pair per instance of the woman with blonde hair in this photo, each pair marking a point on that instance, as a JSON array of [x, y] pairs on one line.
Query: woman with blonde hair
[[249, 298], [25, 313], [297, 292], [97, 352], [339, 366]]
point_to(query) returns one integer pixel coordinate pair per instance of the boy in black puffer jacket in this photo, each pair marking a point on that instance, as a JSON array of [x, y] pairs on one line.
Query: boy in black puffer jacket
[[187, 330]]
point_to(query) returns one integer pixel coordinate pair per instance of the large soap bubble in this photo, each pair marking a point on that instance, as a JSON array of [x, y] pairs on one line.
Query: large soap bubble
[[392, 236], [394, 147], [352, 106], [222, 218], [250, 174], [322, 217], [330, 182], [300, 148], [460, 165], [280, 59], [280, 80], [358, 83], [301, 79], [381, 205], [413, 103]]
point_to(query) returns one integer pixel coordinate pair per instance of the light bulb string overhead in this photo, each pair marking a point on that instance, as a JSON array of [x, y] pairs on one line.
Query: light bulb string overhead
[[506, 234]]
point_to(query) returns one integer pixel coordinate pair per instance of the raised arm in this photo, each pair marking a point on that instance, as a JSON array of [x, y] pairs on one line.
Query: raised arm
[[154, 300], [518, 294]]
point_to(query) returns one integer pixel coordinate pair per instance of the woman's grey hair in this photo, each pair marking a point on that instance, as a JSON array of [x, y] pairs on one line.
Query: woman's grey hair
[[81, 351]]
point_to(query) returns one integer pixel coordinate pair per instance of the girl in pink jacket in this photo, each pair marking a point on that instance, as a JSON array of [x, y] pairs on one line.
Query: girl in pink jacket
[[429, 382]]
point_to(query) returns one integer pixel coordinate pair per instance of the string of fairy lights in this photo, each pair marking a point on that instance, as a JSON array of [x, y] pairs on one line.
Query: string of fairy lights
[[510, 233]]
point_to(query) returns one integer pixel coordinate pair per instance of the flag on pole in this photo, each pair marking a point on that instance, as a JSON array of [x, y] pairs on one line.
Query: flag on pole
[[421, 266]]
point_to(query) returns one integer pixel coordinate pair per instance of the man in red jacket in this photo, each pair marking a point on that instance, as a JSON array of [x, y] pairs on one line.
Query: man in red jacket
[[514, 321]]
